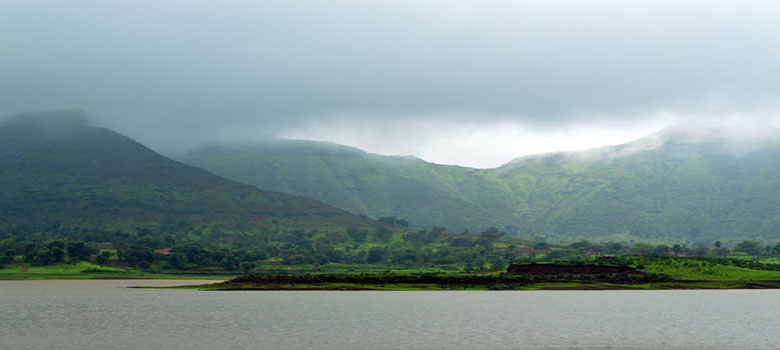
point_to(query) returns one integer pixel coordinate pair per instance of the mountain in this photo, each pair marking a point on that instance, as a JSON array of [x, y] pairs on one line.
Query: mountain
[[676, 185], [679, 185], [405, 187], [59, 173]]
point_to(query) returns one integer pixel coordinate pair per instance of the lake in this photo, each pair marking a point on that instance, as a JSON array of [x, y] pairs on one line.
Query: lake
[[107, 315]]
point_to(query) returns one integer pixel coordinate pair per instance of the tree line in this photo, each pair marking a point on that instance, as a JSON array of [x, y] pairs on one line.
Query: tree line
[[383, 245]]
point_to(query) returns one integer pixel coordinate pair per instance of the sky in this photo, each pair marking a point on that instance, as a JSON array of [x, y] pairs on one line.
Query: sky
[[472, 83]]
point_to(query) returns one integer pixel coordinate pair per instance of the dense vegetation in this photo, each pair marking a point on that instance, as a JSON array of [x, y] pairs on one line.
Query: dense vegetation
[[77, 198], [425, 194], [60, 175], [378, 249], [669, 187], [383, 247], [613, 272]]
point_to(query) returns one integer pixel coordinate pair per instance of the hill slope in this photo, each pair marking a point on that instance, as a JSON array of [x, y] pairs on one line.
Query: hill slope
[[675, 186], [695, 190], [426, 194], [58, 172]]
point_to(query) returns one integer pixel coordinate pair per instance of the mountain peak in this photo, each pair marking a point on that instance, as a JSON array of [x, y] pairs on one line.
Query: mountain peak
[[704, 131], [55, 168]]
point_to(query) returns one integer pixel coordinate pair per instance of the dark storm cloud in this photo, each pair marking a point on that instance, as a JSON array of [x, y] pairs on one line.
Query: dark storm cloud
[[171, 72]]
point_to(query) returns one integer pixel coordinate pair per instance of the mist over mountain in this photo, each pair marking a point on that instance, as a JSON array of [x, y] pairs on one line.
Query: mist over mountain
[[58, 173], [682, 184], [361, 182]]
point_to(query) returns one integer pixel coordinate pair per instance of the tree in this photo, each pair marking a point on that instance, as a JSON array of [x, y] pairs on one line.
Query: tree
[[5, 258], [420, 237], [135, 254], [103, 257], [58, 243], [387, 220], [541, 246], [436, 232], [248, 266], [229, 262], [472, 265], [357, 235], [722, 251], [461, 242], [615, 248], [582, 246], [407, 256], [700, 251], [383, 234], [497, 263], [661, 249], [47, 256], [392, 221], [748, 247], [7, 252], [77, 250], [297, 258], [375, 255], [643, 248], [29, 250], [489, 237], [491, 233]]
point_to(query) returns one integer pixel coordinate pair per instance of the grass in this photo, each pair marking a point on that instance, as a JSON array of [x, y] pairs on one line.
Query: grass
[[715, 273], [775, 261], [582, 195], [85, 270], [674, 272], [698, 269], [660, 272]]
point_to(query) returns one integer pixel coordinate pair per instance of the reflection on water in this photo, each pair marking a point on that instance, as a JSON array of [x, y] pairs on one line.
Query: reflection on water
[[105, 315]]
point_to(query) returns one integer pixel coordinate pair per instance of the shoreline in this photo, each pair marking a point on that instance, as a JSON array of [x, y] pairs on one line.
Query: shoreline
[[111, 277], [507, 286]]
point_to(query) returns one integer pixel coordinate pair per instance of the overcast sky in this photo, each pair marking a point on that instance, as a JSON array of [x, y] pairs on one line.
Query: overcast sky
[[473, 83]]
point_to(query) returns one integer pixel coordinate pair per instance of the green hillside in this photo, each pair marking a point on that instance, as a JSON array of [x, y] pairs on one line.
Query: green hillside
[[671, 187], [364, 183], [59, 174], [696, 191]]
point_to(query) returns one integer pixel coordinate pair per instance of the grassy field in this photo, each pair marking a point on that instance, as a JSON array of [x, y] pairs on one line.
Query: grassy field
[[702, 269], [85, 270], [657, 272]]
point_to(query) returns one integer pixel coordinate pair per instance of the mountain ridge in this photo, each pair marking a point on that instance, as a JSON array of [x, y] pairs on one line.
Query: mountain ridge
[[663, 187], [59, 171]]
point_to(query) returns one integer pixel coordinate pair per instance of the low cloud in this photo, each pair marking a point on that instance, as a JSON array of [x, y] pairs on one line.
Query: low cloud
[[174, 74], [481, 145]]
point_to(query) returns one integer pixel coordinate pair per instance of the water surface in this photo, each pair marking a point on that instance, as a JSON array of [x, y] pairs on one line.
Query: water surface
[[106, 315]]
